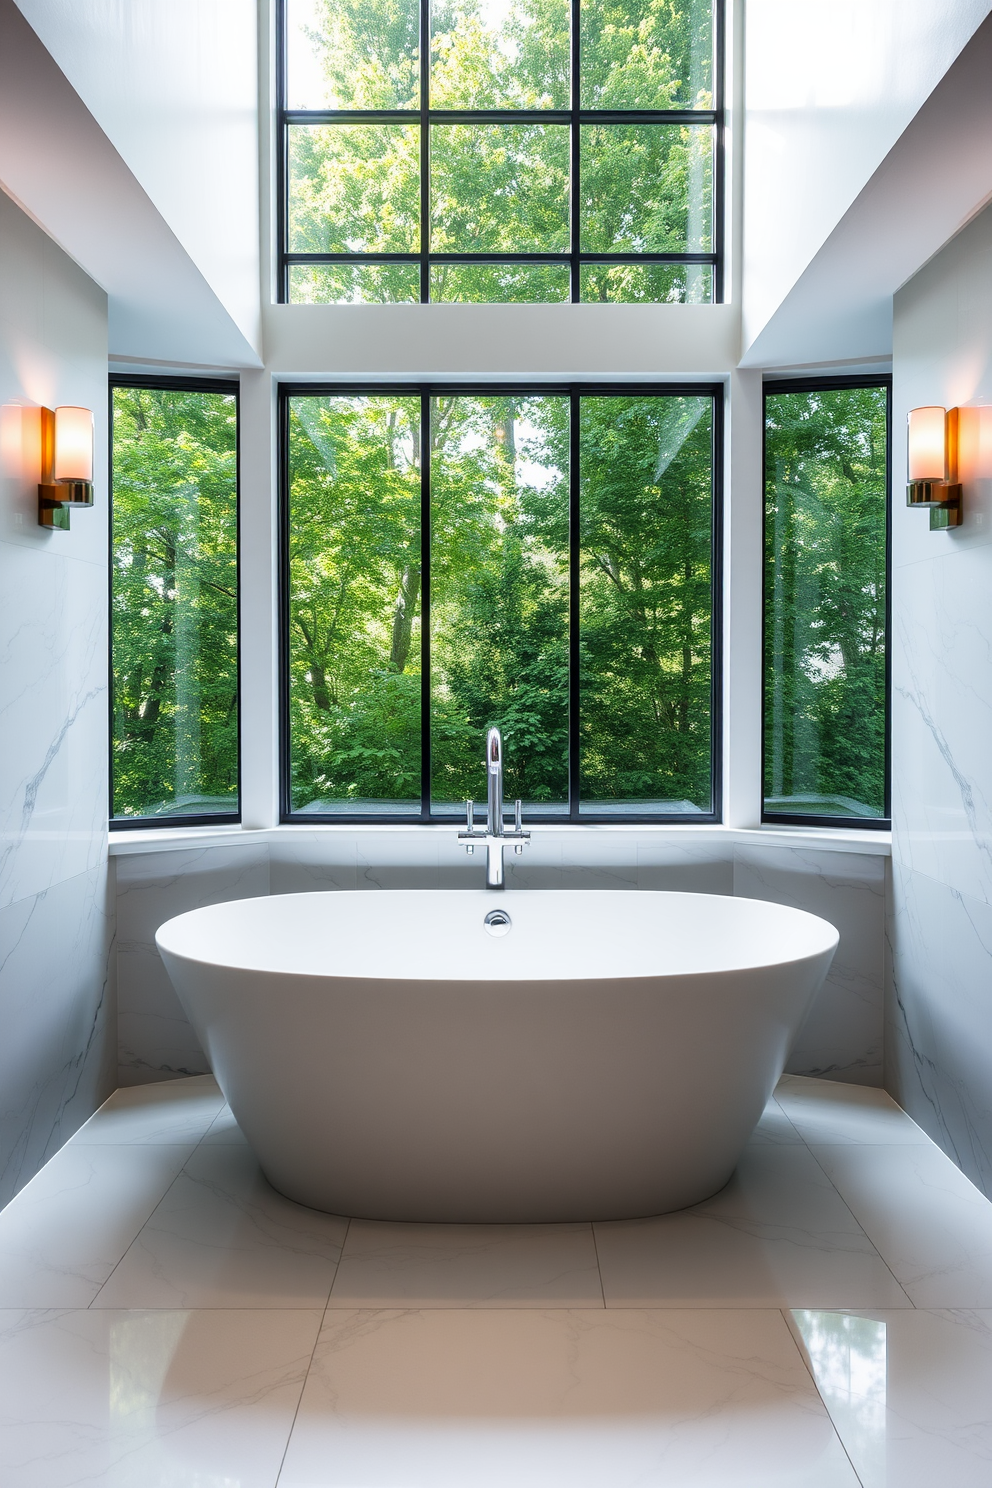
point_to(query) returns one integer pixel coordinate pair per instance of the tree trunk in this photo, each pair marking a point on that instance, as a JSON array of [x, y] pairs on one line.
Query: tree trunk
[[403, 615]]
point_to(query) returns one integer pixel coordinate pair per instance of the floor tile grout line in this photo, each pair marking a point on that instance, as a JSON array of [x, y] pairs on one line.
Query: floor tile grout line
[[855, 1217], [804, 1356], [313, 1351], [135, 1238], [599, 1269]]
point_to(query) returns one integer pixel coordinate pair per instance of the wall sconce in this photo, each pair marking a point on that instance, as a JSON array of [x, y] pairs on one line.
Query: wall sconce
[[66, 464], [933, 465]]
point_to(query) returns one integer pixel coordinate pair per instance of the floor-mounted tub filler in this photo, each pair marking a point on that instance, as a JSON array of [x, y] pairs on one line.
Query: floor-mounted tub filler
[[453, 1055]]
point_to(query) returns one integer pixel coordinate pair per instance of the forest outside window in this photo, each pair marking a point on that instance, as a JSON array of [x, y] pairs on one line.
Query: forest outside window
[[826, 692], [174, 602], [491, 151], [539, 559]]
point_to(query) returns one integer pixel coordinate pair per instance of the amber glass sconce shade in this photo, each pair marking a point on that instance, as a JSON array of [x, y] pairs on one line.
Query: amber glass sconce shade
[[66, 464], [933, 465]]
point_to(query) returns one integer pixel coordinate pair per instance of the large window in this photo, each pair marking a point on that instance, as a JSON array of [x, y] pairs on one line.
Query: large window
[[826, 602], [540, 559], [500, 150], [174, 605]]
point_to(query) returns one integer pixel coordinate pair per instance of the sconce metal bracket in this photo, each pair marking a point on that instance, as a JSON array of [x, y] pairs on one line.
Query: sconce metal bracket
[[940, 498], [57, 498]]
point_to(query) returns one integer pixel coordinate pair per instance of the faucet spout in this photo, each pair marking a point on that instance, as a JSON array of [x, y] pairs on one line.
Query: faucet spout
[[495, 834], [494, 781]]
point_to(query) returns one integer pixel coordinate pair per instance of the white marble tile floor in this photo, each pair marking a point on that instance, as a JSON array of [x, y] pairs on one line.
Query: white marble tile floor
[[168, 1321]]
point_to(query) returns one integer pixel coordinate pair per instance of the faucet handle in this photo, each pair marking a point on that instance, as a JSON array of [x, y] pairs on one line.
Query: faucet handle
[[470, 815], [518, 815]]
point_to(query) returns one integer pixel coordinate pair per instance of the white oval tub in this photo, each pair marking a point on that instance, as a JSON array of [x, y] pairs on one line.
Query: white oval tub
[[387, 1057]]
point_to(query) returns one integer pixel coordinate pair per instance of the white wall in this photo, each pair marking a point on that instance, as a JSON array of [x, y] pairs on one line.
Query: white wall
[[175, 88], [830, 86], [939, 1025], [61, 168], [57, 1013]]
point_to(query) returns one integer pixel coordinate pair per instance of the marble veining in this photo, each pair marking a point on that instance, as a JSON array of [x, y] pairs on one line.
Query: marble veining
[[939, 935], [57, 1010], [167, 1319], [940, 1033], [57, 969]]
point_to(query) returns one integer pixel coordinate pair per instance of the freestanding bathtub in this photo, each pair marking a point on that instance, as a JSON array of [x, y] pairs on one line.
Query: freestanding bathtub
[[390, 1056]]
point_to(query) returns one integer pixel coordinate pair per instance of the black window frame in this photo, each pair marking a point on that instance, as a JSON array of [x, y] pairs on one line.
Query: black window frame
[[227, 386], [574, 116], [771, 387], [716, 391]]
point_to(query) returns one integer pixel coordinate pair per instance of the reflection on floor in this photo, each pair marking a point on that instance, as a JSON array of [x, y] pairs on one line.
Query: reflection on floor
[[168, 1321]]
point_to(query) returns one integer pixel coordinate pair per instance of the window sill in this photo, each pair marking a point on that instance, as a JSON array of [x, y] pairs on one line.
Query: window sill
[[819, 839]]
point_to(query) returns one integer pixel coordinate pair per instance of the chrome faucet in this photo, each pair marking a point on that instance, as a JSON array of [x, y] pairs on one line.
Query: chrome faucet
[[495, 834]]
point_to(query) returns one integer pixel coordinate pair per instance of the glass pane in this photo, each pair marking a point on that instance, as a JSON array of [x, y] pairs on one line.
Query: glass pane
[[175, 603], [354, 188], [825, 578], [489, 54], [659, 284], [348, 54], [499, 188], [354, 604], [500, 284], [499, 596], [646, 188], [639, 54], [645, 605], [353, 284]]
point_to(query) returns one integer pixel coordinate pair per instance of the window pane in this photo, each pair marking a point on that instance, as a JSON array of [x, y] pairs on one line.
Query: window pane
[[499, 596], [488, 54], [660, 284], [354, 604], [500, 284], [175, 603], [825, 580], [346, 54], [646, 188], [353, 188], [638, 54], [499, 188], [353, 284], [645, 606]]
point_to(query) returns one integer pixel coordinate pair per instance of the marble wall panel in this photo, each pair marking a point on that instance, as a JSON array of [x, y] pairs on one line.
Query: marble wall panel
[[53, 719], [938, 1049], [841, 1038], [57, 1019], [942, 719], [57, 1014], [939, 1016], [156, 1041]]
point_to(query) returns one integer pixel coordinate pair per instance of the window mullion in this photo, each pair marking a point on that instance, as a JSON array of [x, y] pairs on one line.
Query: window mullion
[[425, 607], [574, 591], [425, 151]]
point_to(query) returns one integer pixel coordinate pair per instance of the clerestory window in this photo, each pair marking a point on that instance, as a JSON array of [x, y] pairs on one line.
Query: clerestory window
[[500, 150], [541, 558]]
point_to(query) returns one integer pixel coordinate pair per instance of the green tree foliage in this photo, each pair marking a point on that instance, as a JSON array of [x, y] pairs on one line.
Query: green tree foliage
[[646, 470], [500, 187], [174, 607], [825, 700], [499, 546]]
